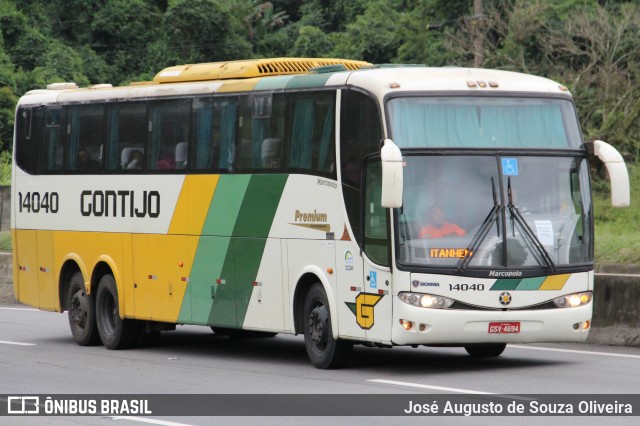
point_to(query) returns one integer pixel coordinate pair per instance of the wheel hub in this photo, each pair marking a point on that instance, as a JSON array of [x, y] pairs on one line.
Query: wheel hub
[[318, 325], [78, 308]]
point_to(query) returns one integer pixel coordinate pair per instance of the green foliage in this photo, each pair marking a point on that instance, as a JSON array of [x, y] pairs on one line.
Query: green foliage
[[373, 36], [7, 107], [201, 31], [5, 168], [312, 42], [591, 47], [5, 241], [617, 238], [121, 32]]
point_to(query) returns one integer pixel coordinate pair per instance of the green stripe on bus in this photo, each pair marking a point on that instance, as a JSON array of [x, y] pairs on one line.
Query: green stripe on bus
[[232, 247], [531, 283], [505, 284], [312, 80], [212, 252], [225, 205], [259, 206], [273, 83], [263, 195]]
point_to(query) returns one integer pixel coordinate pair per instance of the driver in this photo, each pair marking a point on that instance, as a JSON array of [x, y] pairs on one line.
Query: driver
[[438, 227]]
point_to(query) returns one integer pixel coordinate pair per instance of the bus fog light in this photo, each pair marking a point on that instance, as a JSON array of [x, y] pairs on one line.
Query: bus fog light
[[582, 326], [407, 325], [573, 300], [422, 327]]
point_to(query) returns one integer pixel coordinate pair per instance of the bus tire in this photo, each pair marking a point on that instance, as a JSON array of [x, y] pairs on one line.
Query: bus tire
[[323, 350], [485, 350], [115, 333], [81, 309]]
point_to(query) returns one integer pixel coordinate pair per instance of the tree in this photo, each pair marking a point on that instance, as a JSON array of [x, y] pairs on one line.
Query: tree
[[373, 36], [199, 31], [7, 110], [121, 31]]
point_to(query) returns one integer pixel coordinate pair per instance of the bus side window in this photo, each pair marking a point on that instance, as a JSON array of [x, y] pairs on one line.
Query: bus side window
[[85, 133], [27, 138], [126, 131], [168, 126], [311, 143], [52, 149], [375, 216]]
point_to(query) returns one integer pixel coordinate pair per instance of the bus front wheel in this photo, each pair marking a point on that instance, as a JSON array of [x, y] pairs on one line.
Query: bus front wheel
[[324, 351], [82, 313], [485, 350], [115, 332]]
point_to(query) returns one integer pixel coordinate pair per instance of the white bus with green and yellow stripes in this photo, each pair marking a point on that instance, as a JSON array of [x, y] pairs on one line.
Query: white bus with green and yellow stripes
[[351, 203]]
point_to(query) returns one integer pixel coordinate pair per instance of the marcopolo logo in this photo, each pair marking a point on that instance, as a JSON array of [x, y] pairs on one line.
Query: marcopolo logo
[[505, 274]]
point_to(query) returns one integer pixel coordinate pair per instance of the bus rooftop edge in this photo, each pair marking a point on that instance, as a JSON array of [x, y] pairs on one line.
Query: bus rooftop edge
[[250, 68]]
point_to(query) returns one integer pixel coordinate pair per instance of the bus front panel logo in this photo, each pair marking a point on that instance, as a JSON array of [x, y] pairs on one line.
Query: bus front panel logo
[[505, 298], [363, 309]]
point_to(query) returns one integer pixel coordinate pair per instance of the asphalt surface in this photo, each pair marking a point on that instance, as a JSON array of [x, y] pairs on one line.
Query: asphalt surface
[[38, 356]]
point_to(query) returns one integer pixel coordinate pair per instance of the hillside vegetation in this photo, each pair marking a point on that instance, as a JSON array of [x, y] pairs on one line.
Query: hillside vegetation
[[588, 46]]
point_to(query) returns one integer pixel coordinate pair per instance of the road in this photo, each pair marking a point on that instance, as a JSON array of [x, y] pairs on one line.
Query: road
[[38, 356]]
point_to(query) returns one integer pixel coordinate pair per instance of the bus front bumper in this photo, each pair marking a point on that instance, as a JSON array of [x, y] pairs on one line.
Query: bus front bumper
[[449, 326]]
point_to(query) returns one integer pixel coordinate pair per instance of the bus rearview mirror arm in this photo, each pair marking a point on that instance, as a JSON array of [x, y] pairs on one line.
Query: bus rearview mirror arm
[[392, 175], [617, 170]]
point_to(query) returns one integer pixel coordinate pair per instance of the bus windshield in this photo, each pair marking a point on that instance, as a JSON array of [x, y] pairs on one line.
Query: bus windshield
[[492, 211], [482, 122]]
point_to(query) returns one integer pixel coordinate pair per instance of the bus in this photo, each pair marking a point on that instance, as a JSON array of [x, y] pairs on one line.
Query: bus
[[349, 202]]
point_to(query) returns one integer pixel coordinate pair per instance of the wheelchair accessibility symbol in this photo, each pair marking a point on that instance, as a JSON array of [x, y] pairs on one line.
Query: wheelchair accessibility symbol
[[510, 166]]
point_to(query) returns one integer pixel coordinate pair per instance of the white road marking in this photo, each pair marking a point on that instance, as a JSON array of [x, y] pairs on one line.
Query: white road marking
[[446, 389], [149, 421], [5, 342], [421, 386], [19, 309], [574, 351]]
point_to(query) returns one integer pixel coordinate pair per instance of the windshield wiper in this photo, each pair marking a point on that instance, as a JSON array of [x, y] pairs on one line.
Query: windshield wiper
[[527, 231], [483, 231]]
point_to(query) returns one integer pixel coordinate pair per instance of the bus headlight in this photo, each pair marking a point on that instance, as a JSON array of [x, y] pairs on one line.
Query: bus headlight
[[573, 300], [425, 300]]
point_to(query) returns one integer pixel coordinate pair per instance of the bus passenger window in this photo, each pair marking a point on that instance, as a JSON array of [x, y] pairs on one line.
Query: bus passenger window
[[168, 127], [85, 125]]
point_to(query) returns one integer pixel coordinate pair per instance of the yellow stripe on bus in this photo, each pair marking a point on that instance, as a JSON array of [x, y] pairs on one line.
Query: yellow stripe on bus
[[238, 85], [555, 282], [193, 204]]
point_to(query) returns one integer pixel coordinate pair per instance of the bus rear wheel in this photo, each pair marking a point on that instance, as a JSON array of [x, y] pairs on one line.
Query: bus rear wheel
[[485, 350], [115, 332], [81, 310], [324, 351]]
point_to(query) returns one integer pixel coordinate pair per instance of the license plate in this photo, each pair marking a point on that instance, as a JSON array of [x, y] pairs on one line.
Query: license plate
[[504, 327]]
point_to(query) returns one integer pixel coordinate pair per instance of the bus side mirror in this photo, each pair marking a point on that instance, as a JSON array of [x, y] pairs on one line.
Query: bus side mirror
[[617, 170], [392, 178]]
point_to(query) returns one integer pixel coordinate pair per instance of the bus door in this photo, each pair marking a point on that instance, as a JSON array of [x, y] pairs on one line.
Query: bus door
[[376, 304]]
